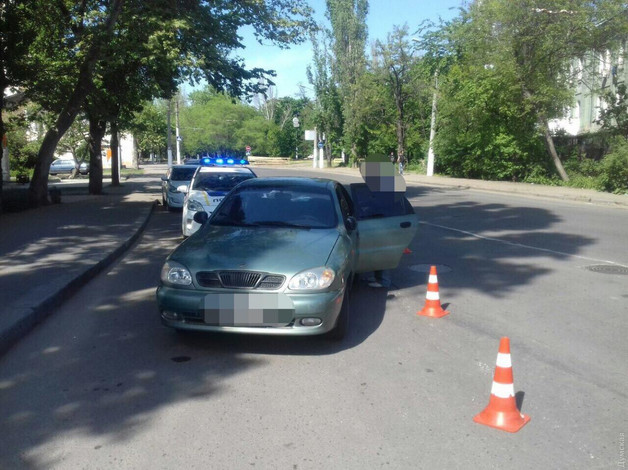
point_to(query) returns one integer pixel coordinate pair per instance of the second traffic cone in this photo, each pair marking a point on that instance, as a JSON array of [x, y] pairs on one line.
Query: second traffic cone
[[432, 306], [502, 412], [407, 251]]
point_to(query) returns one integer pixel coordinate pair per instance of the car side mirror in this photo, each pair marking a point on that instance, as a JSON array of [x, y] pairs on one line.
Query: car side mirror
[[201, 217], [164, 178], [183, 188], [351, 224]]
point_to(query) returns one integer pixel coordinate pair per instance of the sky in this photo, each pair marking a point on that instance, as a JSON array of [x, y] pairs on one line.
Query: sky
[[291, 64]]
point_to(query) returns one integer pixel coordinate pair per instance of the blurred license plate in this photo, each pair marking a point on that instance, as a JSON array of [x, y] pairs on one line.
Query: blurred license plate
[[248, 309]]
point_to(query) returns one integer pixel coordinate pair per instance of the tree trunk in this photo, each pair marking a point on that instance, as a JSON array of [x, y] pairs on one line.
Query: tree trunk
[[115, 155], [97, 130], [2, 132], [551, 149], [549, 140], [136, 155], [38, 191]]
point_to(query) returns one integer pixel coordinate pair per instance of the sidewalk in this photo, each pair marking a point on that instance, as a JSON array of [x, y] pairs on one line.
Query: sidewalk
[[523, 189], [48, 253]]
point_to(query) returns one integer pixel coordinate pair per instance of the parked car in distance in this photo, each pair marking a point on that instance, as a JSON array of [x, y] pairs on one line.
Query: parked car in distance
[[278, 257], [67, 166], [176, 176]]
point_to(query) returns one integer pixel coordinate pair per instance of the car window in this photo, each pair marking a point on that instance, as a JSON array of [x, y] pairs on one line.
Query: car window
[[219, 181], [374, 204], [308, 208], [182, 174], [345, 201]]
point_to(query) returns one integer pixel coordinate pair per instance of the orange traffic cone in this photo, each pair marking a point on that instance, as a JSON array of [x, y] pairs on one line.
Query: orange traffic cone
[[502, 412], [432, 306], [407, 251]]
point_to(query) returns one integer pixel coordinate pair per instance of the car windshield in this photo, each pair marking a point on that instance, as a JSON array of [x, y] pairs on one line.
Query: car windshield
[[219, 181], [307, 208], [182, 174]]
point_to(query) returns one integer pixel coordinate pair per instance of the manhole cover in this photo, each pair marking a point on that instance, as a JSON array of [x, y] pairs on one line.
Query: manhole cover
[[607, 269], [425, 268]]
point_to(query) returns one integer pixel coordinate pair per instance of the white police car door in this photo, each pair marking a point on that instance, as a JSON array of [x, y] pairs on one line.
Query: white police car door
[[386, 226]]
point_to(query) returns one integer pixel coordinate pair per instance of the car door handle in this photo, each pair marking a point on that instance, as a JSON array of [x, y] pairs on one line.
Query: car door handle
[[405, 224]]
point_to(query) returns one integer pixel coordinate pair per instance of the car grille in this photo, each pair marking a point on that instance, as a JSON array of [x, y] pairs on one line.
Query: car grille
[[240, 280]]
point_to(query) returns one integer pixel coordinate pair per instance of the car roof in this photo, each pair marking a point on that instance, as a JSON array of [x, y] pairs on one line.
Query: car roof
[[185, 166], [290, 181], [224, 169]]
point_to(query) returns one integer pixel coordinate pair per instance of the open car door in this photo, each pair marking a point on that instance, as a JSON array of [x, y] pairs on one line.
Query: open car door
[[386, 226]]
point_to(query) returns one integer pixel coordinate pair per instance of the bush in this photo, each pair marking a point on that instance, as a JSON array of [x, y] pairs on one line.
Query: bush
[[614, 174]]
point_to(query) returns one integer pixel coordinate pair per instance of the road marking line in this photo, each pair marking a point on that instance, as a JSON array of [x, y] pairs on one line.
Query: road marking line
[[521, 245]]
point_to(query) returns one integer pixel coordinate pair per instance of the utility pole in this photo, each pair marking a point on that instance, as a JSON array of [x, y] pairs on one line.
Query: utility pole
[[430, 152], [169, 135], [176, 115]]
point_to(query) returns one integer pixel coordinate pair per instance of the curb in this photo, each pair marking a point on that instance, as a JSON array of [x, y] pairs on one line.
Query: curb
[[21, 327]]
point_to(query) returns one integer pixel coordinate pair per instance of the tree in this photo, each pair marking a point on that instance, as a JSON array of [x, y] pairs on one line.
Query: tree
[[69, 40], [395, 59], [614, 115], [327, 116], [14, 42], [537, 47], [149, 128], [349, 32], [87, 30]]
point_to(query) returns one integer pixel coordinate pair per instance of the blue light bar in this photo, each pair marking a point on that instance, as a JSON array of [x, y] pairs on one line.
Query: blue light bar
[[221, 161]]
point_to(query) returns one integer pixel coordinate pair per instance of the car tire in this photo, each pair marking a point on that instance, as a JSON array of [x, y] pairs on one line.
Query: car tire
[[342, 322]]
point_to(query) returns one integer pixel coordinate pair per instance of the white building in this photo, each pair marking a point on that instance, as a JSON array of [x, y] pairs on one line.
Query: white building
[[595, 75]]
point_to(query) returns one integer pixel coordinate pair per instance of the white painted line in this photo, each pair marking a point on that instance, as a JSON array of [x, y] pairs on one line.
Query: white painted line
[[521, 245]]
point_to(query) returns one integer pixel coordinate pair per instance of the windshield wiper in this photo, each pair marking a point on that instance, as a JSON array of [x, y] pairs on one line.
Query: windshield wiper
[[277, 223], [231, 223]]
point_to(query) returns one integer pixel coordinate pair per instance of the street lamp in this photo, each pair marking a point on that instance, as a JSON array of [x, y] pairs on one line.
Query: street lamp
[[296, 124]]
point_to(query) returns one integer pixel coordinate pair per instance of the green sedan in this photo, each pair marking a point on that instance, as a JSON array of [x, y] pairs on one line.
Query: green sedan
[[279, 255]]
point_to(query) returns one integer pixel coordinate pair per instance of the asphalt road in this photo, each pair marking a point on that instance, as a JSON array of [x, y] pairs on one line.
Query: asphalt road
[[103, 385]]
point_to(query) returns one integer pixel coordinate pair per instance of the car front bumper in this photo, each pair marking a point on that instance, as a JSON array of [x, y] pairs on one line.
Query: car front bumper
[[185, 309]]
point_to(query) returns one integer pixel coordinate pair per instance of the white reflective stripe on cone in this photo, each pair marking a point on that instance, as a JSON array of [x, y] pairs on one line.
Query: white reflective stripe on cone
[[433, 279], [503, 360], [432, 295], [503, 390]]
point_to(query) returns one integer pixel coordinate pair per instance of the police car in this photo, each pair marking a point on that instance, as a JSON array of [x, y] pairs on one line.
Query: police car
[[212, 181]]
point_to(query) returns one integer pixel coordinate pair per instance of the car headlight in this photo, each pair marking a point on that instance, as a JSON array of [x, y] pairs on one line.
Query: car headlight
[[175, 274], [312, 279], [172, 189], [195, 206]]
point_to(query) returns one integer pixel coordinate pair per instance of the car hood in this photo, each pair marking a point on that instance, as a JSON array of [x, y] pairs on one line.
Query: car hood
[[273, 249]]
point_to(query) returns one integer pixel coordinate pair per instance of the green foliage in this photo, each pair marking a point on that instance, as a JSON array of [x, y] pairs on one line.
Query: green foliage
[[149, 127], [614, 173], [614, 116], [349, 34]]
